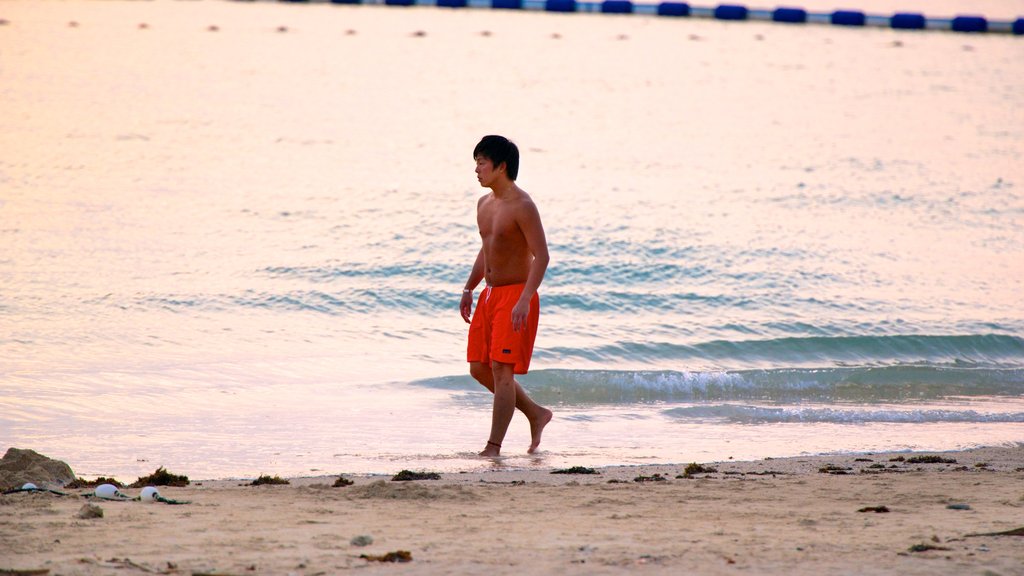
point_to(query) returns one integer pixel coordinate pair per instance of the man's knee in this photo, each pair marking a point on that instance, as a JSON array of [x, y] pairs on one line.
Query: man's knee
[[479, 371], [503, 374]]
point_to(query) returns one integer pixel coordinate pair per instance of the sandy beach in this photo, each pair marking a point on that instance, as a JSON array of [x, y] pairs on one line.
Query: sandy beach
[[809, 515]]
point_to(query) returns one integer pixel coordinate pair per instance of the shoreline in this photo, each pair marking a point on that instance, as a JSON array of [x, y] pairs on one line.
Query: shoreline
[[996, 458], [872, 514]]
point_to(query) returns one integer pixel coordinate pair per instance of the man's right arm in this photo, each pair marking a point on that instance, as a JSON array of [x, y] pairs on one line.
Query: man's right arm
[[475, 276]]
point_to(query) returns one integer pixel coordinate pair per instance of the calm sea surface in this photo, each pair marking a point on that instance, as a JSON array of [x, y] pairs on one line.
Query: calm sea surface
[[241, 251]]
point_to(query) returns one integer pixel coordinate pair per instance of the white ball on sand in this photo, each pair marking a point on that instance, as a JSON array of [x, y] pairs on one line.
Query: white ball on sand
[[149, 494], [108, 491], [29, 486]]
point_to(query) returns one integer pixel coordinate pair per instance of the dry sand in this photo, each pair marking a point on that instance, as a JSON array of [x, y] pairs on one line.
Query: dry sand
[[771, 516]]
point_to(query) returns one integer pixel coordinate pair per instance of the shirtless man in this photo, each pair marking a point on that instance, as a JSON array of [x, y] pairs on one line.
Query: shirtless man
[[513, 260]]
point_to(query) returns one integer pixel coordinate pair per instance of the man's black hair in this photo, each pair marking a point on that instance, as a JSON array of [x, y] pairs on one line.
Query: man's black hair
[[499, 149]]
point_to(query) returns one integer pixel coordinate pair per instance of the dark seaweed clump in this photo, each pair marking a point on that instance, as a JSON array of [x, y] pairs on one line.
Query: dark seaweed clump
[[930, 460], [160, 478], [1014, 532], [342, 482], [575, 470], [78, 483], [264, 479], [407, 475], [833, 469], [397, 556], [652, 478], [694, 468], [925, 548]]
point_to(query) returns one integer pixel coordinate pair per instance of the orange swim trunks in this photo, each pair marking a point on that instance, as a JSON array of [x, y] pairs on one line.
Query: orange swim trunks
[[490, 332]]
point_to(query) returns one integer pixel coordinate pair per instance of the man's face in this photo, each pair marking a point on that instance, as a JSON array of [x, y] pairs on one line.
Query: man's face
[[485, 172]]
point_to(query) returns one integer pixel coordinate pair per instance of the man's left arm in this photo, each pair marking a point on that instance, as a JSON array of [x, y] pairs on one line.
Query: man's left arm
[[537, 244]]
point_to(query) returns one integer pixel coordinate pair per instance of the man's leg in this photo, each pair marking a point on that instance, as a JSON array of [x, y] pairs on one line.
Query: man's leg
[[504, 406], [538, 415]]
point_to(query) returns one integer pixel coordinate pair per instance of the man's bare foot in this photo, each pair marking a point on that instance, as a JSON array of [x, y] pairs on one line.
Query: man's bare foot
[[492, 450], [537, 428]]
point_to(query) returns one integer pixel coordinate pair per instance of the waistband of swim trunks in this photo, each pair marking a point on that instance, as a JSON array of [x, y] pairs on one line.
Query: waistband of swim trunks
[[506, 287]]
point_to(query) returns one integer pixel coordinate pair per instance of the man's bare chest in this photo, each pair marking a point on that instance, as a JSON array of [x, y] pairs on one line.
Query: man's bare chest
[[499, 225]]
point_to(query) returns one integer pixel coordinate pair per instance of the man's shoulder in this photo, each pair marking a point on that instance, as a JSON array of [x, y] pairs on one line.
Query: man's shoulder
[[522, 196], [525, 202]]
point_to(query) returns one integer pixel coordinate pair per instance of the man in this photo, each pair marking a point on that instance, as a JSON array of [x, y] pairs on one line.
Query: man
[[512, 260]]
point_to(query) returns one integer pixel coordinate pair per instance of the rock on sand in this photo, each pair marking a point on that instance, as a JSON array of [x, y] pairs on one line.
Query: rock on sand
[[20, 466]]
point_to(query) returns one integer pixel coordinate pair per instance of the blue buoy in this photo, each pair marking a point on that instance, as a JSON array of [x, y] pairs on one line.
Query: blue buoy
[[796, 15], [673, 9], [848, 18], [560, 5], [452, 3], [731, 12], [617, 7], [907, 21], [1018, 26], [970, 24], [400, 2], [507, 4], [346, 1]]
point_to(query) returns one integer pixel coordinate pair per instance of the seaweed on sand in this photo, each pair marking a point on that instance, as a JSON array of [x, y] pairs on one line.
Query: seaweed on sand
[[833, 469], [342, 482], [161, 477], [930, 459], [575, 470], [694, 468], [264, 479], [78, 483], [926, 547], [1014, 532], [407, 475], [397, 556]]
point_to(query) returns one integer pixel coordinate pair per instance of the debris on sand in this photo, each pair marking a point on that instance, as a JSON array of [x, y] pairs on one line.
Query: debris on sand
[[397, 556], [407, 475], [1014, 532], [341, 482], [926, 547], [264, 479], [575, 470], [833, 469], [652, 478], [694, 468], [875, 509], [79, 483], [930, 459], [161, 478]]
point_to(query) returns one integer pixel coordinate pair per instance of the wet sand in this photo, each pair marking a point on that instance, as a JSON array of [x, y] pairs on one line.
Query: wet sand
[[794, 516]]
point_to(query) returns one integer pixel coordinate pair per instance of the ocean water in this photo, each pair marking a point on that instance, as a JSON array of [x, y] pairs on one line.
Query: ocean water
[[241, 251]]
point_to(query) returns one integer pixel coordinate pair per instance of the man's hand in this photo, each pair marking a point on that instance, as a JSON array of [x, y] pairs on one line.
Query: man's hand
[[519, 314], [466, 306]]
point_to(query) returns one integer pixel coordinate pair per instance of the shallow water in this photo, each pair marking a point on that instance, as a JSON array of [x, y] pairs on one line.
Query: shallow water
[[241, 252]]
